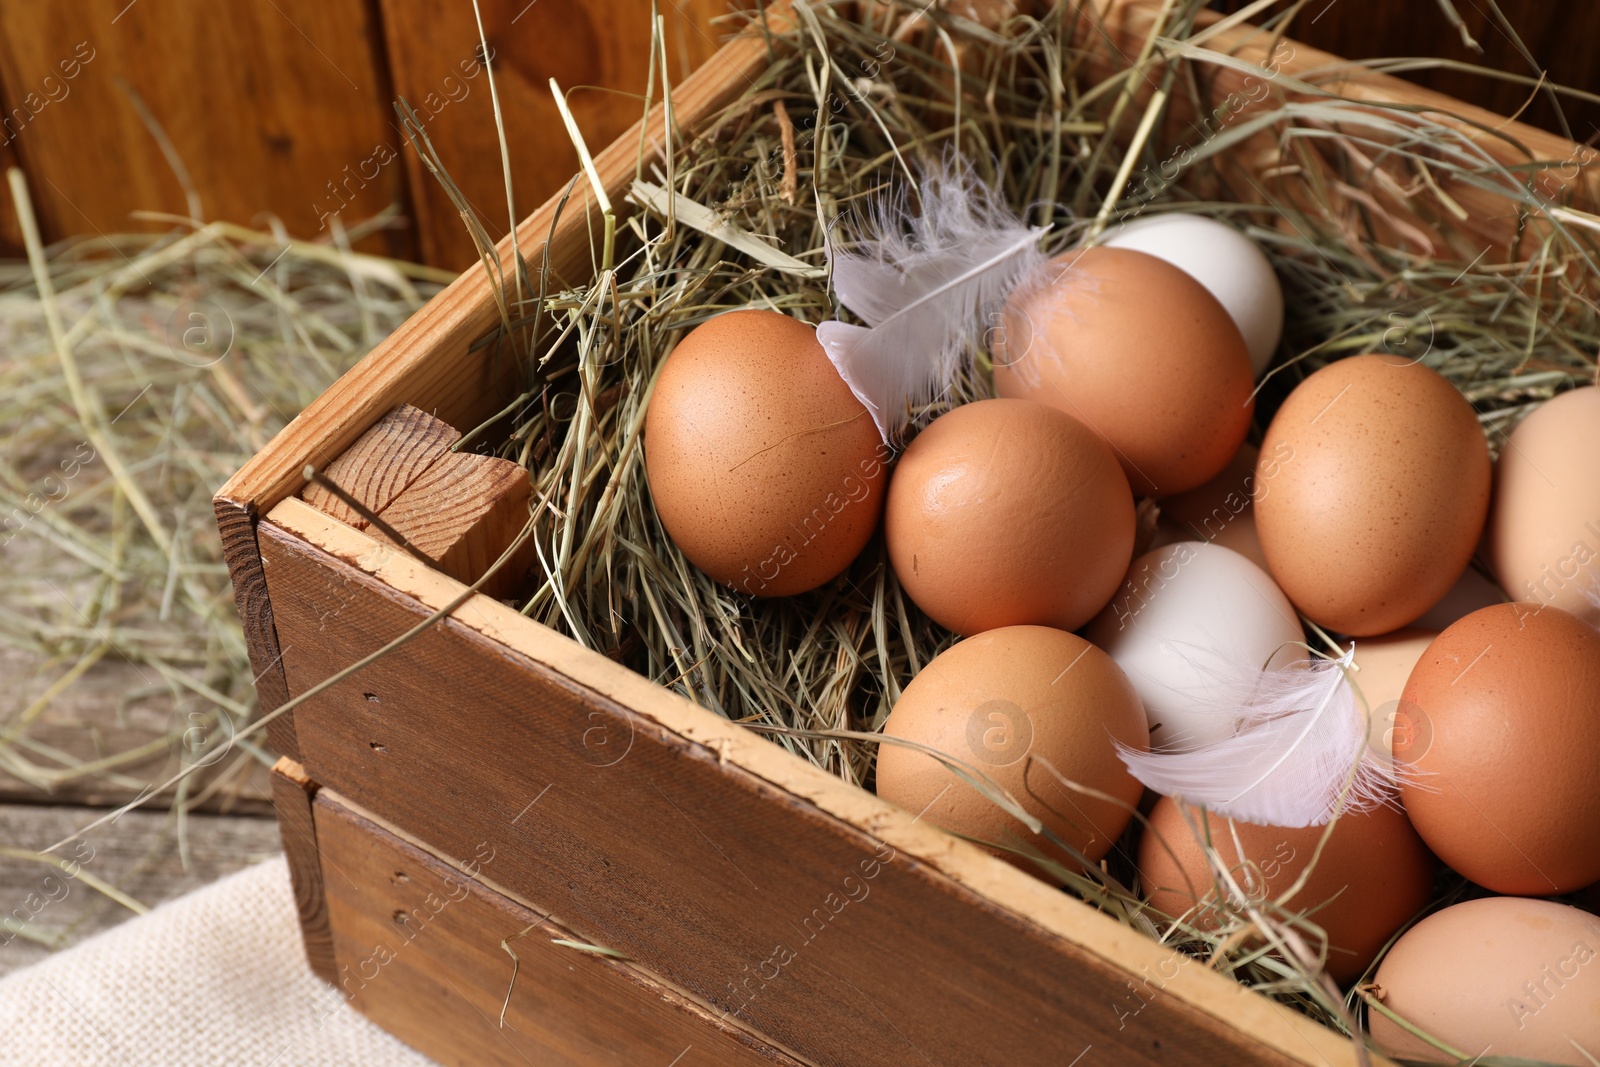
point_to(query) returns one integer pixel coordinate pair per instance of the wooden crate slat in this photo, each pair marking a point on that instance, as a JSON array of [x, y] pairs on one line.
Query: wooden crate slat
[[650, 854], [420, 938], [236, 524]]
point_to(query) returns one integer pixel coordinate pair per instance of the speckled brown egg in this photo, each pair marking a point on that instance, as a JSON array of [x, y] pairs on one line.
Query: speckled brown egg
[[1374, 875], [997, 699], [1142, 354], [765, 469], [1008, 512], [1499, 773], [1379, 495], [1494, 977], [1544, 525]]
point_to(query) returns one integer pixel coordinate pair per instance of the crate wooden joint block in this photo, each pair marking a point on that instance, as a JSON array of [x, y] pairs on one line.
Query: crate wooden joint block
[[667, 879], [383, 463], [458, 509]]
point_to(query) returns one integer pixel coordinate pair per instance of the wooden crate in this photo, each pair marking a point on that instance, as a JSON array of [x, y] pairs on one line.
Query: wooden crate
[[498, 779]]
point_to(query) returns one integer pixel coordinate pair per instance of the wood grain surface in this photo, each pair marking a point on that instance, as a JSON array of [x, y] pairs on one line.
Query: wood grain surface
[[138, 854], [69, 753], [598, 52], [236, 526], [459, 509], [273, 109], [418, 941], [746, 895], [293, 794], [462, 513], [382, 462]]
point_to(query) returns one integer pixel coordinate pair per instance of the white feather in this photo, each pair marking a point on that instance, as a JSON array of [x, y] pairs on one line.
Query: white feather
[[924, 285], [1299, 753]]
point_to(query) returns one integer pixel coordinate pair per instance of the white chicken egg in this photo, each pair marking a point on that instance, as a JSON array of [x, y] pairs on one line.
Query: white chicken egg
[[1222, 259], [1189, 617]]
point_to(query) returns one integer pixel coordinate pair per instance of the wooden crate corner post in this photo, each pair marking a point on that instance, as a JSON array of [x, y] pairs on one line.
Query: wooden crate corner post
[[293, 797]]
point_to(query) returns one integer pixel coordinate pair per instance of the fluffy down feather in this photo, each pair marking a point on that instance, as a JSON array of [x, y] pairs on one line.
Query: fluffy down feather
[[924, 284]]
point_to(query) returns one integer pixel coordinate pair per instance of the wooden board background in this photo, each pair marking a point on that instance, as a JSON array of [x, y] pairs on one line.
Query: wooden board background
[[596, 49], [284, 107], [264, 103]]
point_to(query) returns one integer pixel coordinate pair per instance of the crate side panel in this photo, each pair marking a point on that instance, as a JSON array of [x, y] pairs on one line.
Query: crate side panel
[[1258, 170], [753, 900], [423, 938]]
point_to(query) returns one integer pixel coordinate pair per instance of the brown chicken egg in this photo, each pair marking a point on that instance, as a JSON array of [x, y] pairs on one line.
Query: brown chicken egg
[[1498, 771], [1544, 525], [1142, 354], [1382, 665], [1006, 512], [1380, 493], [765, 469], [1494, 977], [1373, 876], [1218, 512], [994, 700]]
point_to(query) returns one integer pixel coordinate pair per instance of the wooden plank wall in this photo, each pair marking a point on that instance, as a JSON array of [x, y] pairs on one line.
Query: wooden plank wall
[[284, 107], [263, 103], [596, 49]]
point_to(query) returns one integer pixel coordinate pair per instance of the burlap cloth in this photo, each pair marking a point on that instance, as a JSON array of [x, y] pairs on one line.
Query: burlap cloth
[[215, 977]]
